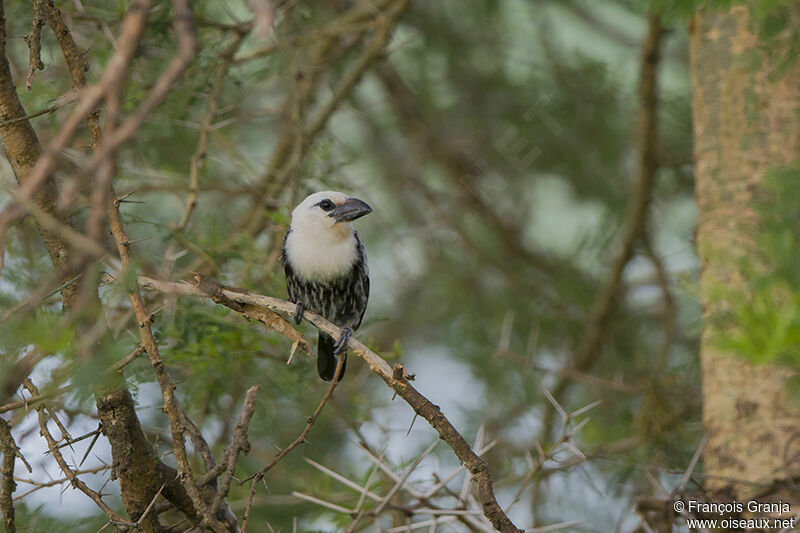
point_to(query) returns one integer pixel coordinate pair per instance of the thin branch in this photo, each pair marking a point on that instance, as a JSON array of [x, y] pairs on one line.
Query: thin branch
[[76, 61], [337, 28], [669, 314], [373, 50], [34, 41], [198, 158], [32, 402], [46, 111], [401, 481], [38, 485], [128, 359], [70, 442], [395, 377], [171, 404], [257, 477], [187, 44], [7, 485], [76, 482], [15, 375], [299, 137], [238, 445], [588, 350], [133, 24]]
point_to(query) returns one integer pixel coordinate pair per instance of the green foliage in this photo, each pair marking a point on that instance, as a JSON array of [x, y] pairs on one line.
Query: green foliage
[[763, 323], [46, 329]]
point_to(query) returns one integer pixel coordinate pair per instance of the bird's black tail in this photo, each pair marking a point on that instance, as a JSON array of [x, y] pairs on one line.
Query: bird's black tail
[[326, 361]]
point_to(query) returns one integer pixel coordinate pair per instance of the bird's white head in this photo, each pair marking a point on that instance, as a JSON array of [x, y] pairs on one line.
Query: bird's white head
[[321, 243]]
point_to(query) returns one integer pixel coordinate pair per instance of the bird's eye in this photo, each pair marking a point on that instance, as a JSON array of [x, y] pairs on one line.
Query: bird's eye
[[326, 205]]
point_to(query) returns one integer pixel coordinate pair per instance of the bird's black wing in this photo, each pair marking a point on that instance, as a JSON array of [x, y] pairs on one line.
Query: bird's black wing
[[360, 276], [292, 281]]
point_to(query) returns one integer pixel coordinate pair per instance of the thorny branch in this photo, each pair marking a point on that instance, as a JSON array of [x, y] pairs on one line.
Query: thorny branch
[[133, 24], [299, 440], [76, 482], [238, 445], [171, 403], [38, 485], [395, 377]]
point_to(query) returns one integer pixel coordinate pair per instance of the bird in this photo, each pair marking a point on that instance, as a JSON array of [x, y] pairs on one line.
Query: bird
[[326, 269]]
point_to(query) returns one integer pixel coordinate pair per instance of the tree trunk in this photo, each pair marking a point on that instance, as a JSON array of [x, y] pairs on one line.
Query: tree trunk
[[746, 122]]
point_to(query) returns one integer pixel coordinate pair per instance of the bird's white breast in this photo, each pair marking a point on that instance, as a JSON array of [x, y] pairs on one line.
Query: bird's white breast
[[321, 255]]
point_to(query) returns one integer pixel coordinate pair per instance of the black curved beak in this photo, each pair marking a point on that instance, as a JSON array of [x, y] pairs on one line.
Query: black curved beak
[[352, 209]]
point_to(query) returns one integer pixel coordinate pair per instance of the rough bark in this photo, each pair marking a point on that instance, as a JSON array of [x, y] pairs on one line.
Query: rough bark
[[7, 484], [22, 149], [745, 123], [139, 470]]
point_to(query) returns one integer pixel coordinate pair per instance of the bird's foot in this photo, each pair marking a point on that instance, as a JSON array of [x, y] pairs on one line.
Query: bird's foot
[[298, 312], [341, 344]]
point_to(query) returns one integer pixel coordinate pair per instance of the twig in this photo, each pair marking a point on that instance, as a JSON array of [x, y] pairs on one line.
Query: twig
[[351, 77], [422, 497], [91, 445], [199, 443], [336, 28], [566, 435], [32, 402], [258, 476], [238, 445], [171, 404], [692, 464], [343, 480], [295, 142], [323, 503], [184, 29], [34, 41], [128, 359], [198, 158], [78, 65], [38, 485], [22, 148], [374, 49], [399, 483], [359, 514], [46, 111], [669, 320], [149, 507], [69, 473]]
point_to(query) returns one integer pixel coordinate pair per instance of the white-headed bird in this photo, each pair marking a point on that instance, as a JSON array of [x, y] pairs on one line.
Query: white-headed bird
[[326, 269]]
